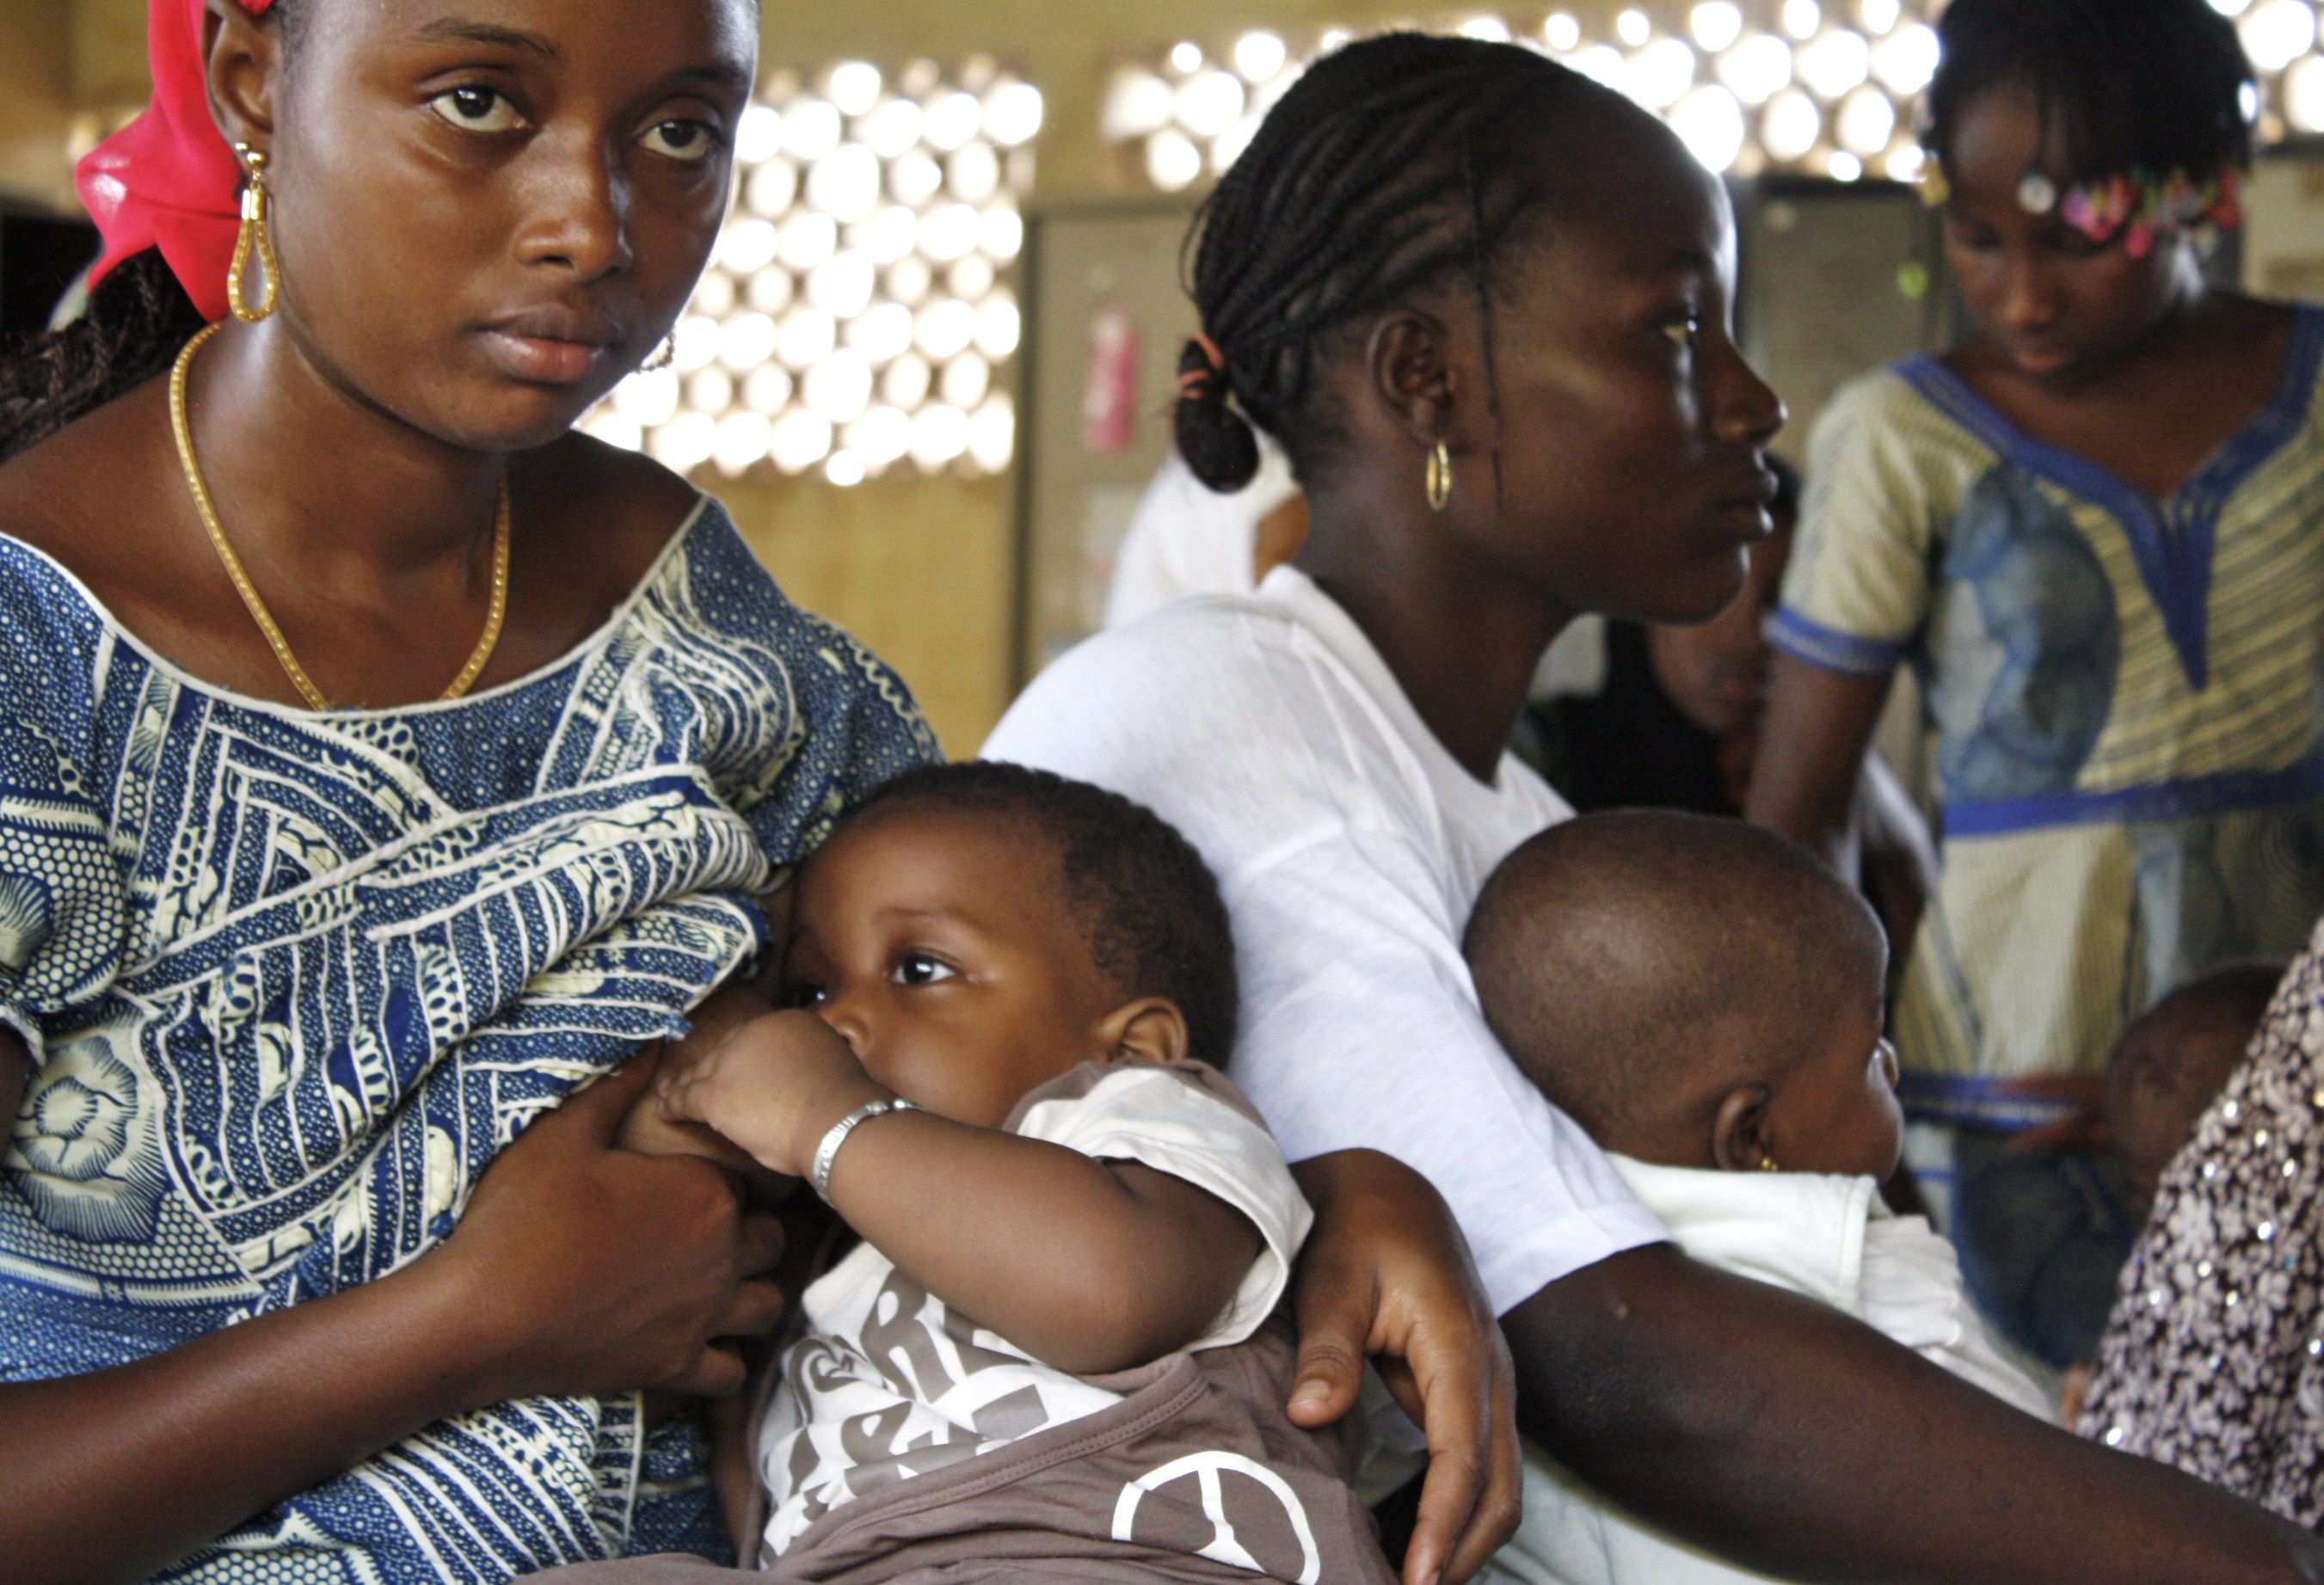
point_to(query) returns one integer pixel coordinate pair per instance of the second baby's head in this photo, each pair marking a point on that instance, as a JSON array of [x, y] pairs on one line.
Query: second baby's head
[[974, 931], [2172, 1062], [1695, 992]]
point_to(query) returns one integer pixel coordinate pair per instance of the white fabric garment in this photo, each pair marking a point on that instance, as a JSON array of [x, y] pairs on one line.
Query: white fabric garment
[[1350, 846], [1828, 1237], [890, 1382], [1188, 538]]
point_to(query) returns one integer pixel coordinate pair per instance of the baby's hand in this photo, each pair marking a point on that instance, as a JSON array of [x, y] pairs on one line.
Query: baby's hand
[[773, 1086], [644, 1129]]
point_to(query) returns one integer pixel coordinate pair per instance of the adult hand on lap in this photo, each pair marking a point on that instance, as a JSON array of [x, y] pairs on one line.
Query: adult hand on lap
[[600, 1271], [1386, 1275]]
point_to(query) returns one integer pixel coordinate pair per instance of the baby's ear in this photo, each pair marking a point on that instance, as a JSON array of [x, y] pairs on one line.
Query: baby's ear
[[1738, 1133], [1149, 1029]]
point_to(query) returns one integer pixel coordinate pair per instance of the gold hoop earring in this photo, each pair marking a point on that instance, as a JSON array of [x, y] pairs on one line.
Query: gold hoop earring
[[1440, 478], [256, 235], [1767, 1162]]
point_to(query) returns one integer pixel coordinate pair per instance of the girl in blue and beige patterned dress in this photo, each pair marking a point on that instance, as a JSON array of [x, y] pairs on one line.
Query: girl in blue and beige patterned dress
[[296, 941], [2097, 530]]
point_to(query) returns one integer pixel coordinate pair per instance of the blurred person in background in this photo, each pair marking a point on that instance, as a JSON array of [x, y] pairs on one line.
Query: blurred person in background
[[1185, 538], [2096, 530], [2165, 1071]]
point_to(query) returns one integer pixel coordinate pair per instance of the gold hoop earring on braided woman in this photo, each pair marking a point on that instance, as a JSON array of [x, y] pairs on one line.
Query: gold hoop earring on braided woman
[[1439, 477], [256, 237]]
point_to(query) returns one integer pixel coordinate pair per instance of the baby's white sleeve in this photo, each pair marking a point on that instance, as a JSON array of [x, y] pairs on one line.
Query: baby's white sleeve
[[1913, 1291], [1153, 1115]]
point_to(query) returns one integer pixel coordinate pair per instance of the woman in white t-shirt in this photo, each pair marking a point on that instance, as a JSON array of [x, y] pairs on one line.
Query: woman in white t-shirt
[[1483, 304]]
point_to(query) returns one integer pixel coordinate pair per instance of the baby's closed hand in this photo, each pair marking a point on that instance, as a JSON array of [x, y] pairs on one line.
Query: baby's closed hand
[[645, 1131], [773, 1087]]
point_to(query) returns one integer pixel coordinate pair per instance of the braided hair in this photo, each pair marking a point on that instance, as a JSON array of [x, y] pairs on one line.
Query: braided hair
[[2152, 85], [138, 319], [1391, 167]]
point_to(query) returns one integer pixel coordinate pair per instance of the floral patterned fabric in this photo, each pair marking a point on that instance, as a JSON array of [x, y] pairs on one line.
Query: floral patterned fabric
[[291, 981], [2214, 1358]]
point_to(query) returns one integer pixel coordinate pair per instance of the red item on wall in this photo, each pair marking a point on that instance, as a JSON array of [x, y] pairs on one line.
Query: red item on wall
[[1110, 397]]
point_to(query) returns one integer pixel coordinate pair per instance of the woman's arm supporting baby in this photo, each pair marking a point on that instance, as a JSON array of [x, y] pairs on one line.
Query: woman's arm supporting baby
[[577, 1269]]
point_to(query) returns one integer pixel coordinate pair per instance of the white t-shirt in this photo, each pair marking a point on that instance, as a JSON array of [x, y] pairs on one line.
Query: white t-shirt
[[890, 1382], [1350, 846], [1828, 1237]]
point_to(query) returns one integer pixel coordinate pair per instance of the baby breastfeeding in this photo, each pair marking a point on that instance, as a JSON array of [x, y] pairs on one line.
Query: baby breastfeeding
[[1728, 1054], [1055, 1351]]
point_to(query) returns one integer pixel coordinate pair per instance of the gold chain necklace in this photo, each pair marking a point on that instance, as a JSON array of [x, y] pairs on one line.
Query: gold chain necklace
[[249, 593]]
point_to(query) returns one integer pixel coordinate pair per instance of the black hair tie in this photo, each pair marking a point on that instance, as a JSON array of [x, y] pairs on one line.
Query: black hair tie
[[1217, 442]]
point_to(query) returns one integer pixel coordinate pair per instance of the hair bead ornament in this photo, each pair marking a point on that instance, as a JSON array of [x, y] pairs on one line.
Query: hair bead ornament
[[2036, 193], [2146, 109], [1934, 190], [2133, 206], [2138, 208]]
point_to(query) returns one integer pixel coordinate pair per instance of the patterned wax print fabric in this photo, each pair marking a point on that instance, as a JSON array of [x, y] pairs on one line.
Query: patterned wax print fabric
[[2214, 1358], [2122, 693], [290, 982]]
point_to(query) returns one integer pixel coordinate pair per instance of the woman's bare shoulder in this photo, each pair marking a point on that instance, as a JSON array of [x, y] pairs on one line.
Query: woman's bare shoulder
[[82, 494]]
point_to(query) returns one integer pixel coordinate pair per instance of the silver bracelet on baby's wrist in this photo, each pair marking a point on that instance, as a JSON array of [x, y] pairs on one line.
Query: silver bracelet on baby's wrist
[[818, 1173]]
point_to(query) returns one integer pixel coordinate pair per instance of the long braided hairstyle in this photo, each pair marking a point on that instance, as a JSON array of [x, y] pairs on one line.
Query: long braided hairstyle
[[2159, 84], [1393, 166], [138, 319]]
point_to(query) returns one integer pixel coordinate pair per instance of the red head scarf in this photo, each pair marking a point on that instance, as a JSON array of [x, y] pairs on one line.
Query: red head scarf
[[167, 179]]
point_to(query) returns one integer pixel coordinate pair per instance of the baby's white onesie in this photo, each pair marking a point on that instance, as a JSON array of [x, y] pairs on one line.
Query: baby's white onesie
[[1828, 1237]]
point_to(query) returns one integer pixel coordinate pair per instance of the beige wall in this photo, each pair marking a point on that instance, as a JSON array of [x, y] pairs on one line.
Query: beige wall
[[921, 570], [1067, 46], [109, 64], [36, 98]]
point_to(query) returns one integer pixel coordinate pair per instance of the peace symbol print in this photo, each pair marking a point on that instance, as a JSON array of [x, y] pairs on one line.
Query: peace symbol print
[[1208, 1468]]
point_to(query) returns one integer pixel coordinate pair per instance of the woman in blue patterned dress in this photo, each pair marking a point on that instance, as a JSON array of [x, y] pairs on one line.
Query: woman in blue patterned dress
[[295, 941]]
